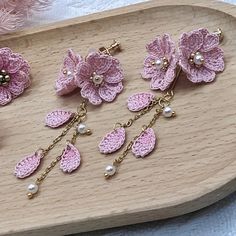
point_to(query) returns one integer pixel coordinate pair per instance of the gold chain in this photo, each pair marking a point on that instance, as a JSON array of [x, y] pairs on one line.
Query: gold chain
[[80, 115], [162, 102]]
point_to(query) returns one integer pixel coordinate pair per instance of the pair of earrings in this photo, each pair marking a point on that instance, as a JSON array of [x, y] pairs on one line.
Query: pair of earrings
[[99, 77]]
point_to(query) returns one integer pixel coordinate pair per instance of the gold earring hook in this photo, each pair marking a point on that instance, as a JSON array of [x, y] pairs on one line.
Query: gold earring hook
[[112, 49]]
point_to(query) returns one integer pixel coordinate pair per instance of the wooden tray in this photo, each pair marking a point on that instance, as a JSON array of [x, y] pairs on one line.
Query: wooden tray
[[194, 165]]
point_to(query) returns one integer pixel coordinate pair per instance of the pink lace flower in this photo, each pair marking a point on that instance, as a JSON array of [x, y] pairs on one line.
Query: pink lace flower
[[99, 77], [14, 75], [66, 80], [200, 55], [160, 64]]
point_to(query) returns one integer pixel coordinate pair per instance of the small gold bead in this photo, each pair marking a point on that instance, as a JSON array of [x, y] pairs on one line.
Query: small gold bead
[[30, 195], [106, 175], [192, 55], [173, 114], [89, 132]]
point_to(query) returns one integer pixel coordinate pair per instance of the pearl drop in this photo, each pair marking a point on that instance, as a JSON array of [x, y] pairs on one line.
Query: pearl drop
[[159, 63], [69, 73], [198, 58], [167, 112], [97, 79], [81, 128], [110, 170], [33, 188]]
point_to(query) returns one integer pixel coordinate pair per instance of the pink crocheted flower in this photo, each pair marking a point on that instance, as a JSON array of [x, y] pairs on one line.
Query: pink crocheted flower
[[99, 77], [66, 80], [160, 64], [14, 75], [200, 55]]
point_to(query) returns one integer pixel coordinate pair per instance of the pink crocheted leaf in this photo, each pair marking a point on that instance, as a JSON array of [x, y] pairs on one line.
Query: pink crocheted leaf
[[57, 118], [113, 141], [138, 101], [70, 159], [27, 166], [145, 143]]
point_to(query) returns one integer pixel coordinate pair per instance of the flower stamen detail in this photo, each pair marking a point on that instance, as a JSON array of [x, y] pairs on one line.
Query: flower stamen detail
[[196, 59], [4, 78], [96, 79], [161, 63]]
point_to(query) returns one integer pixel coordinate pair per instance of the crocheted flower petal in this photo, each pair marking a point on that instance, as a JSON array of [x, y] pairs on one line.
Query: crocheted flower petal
[[71, 60], [64, 84], [149, 70], [5, 96], [184, 61], [58, 117], [112, 141], [25, 67], [83, 74], [100, 63], [210, 41], [155, 47], [5, 55], [201, 74], [144, 144], [168, 46], [139, 101], [90, 92], [108, 92], [15, 62], [70, 159], [16, 87], [214, 59], [158, 82], [114, 73], [27, 166], [191, 42]]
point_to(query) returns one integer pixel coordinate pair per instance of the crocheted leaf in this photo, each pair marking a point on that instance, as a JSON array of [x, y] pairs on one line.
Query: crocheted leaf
[[57, 118], [138, 101], [70, 159], [145, 143], [112, 141], [27, 166]]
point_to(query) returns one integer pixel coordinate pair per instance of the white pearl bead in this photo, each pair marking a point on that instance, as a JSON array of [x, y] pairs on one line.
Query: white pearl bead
[[198, 58], [167, 112], [159, 63], [33, 188], [69, 73], [110, 170], [97, 79], [81, 128]]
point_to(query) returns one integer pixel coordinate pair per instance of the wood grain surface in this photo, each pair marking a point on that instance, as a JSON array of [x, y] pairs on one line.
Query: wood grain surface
[[194, 164]]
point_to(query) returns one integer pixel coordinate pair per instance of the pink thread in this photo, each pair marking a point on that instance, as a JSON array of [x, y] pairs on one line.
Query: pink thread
[[107, 70], [112, 141], [139, 101], [70, 159], [57, 118], [144, 144], [66, 79], [208, 45], [27, 166], [160, 48], [18, 70]]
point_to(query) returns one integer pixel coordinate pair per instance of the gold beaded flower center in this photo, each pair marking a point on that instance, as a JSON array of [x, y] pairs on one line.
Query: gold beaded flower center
[[196, 59], [161, 63], [96, 79], [4, 78]]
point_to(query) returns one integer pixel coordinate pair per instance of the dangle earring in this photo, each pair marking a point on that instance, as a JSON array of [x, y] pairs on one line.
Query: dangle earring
[[199, 57], [99, 77]]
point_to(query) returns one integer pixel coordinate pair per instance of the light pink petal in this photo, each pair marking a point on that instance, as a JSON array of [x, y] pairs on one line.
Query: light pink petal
[[158, 82], [210, 42], [27, 166], [15, 62], [65, 84], [70, 159], [145, 143], [112, 141], [149, 70], [184, 61], [191, 42], [90, 92], [168, 46], [201, 74], [214, 59], [83, 74], [71, 60], [16, 87], [5, 96], [108, 92], [100, 63], [204, 32], [139, 101], [5, 54], [155, 48], [58, 117], [114, 73]]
